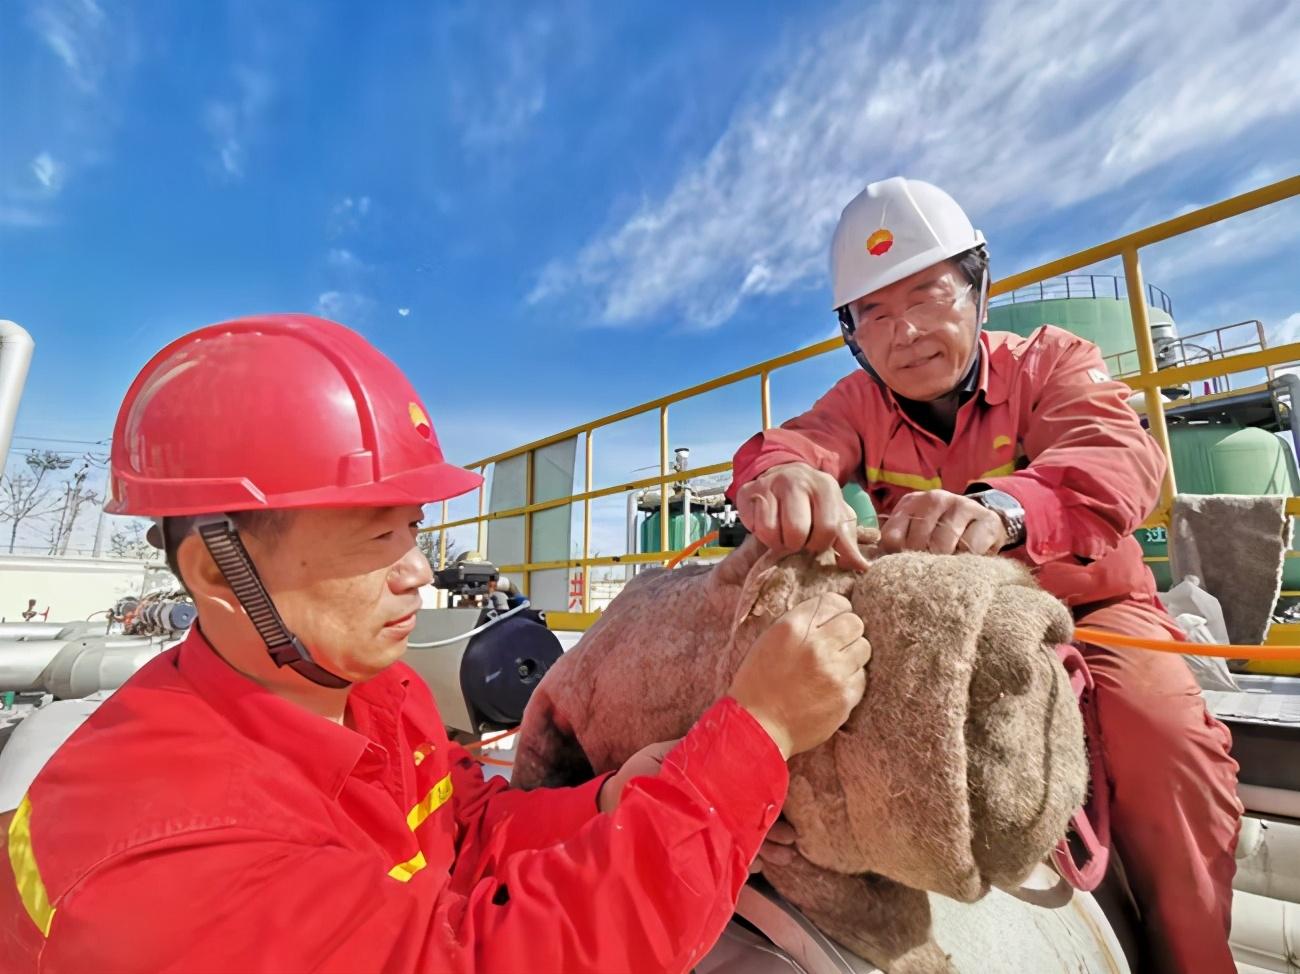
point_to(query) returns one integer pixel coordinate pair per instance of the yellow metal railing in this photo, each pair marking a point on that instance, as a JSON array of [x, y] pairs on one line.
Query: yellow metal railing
[[1150, 380]]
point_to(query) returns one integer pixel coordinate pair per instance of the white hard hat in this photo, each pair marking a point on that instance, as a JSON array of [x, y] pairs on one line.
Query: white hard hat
[[893, 229]]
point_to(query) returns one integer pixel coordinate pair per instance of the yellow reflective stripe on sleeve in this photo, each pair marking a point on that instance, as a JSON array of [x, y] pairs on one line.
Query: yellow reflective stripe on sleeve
[[403, 871], [27, 877], [434, 800], [438, 796], [1006, 470], [910, 480]]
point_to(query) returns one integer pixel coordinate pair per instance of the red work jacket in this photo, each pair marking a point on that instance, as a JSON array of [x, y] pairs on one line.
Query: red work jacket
[[1045, 424], [198, 823]]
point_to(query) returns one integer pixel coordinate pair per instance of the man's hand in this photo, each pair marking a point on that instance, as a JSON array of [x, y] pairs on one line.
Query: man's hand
[[943, 523], [778, 848], [644, 763], [795, 507], [805, 674]]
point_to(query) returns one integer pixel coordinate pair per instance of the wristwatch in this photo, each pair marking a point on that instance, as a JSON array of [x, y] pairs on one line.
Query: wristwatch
[[1009, 510]]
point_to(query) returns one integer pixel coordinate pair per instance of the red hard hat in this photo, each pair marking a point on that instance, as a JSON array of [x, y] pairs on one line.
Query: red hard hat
[[275, 411]]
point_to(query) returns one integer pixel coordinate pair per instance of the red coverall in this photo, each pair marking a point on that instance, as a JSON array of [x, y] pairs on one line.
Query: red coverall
[[1046, 425], [198, 823]]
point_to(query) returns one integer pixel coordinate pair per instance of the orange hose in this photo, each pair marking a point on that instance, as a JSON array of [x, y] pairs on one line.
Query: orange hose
[[691, 548], [500, 764], [1223, 650]]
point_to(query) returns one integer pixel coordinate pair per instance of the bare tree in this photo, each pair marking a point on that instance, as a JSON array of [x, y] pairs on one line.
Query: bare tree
[[76, 494], [129, 541], [26, 497], [427, 542]]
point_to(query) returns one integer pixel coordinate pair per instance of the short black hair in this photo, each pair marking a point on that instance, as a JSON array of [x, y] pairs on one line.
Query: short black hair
[[974, 264], [265, 524]]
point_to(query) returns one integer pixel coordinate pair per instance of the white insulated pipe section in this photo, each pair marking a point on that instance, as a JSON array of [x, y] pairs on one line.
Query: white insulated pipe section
[[16, 347], [1266, 933]]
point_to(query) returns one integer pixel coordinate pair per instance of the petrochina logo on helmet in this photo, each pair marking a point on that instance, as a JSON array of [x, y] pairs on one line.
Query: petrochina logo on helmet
[[419, 420], [880, 242]]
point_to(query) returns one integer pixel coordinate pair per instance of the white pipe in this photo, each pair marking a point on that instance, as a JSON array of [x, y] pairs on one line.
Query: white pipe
[[90, 665], [1268, 859], [686, 514], [468, 635], [30, 631], [1266, 933], [1270, 801], [16, 348], [76, 666]]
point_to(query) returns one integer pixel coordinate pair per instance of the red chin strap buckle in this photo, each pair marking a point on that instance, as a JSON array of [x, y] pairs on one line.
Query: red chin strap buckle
[[1090, 824]]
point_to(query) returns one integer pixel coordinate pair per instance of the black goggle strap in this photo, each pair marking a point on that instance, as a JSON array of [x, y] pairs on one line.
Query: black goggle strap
[[222, 539]]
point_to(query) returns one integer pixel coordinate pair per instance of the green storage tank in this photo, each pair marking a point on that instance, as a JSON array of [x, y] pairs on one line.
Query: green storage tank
[[1220, 458], [1092, 306], [701, 524]]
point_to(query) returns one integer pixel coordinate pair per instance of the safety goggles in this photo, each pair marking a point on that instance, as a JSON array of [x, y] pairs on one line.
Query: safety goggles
[[923, 316]]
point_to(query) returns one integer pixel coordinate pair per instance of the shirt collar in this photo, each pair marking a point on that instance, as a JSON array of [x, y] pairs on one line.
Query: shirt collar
[[326, 752]]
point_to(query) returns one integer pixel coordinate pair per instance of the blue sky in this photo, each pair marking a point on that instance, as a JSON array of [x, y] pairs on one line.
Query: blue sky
[[545, 212]]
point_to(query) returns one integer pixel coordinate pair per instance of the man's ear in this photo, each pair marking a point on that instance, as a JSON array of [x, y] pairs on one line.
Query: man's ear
[[202, 576]]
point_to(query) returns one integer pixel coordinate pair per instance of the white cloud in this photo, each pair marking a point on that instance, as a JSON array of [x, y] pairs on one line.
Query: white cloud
[[76, 97], [1251, 237], [497, 95], [1286, 332], [21, 216], [347, 307], [234, 122], [77, 31], [1019, 109], [348, 214], [340, 258], [49, 172], [404, 312]]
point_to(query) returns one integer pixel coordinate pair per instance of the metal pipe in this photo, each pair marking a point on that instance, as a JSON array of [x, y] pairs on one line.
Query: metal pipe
[[633, 499], [1291, 384], [16, 347], [586, 527], [30, 631], [75, 667], [1155, 402]]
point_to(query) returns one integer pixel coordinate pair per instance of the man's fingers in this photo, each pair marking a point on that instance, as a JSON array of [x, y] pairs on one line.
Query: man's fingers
[[946, 539], [760, 516], [842, 629], [795, 516], [828, 606], [781, 833], [828, 509], [847, 553], [772, 854], [982, 536], [920, 529], [858, 652]]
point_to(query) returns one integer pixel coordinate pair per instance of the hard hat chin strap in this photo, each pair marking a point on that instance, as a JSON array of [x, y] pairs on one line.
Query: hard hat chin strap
[[849, 332], [222, 539]]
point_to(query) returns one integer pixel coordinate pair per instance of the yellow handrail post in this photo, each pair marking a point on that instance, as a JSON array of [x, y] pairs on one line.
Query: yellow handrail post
[[765, 391], [1137, 303], [482, 509], [442, 544], [663, 479], [586, 531], [528, 521]]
